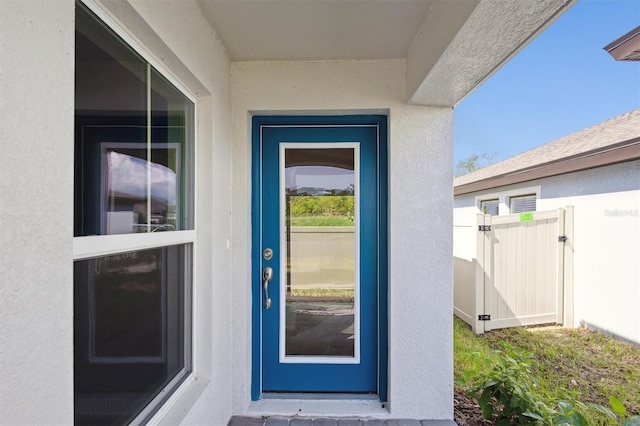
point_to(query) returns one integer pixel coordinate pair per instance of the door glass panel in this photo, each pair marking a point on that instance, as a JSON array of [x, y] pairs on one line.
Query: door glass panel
[[320, 228]]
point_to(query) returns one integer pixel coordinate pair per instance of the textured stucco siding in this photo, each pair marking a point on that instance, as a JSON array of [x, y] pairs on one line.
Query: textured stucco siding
[[606, 204], [36, 212]]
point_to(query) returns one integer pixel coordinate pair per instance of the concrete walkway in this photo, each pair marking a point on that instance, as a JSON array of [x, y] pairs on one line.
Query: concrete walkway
[[332, 421]]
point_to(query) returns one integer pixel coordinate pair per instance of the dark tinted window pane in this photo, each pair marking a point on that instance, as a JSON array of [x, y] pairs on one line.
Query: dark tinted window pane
[[133, 139], [171, 112], [110, 111], [129, 331]]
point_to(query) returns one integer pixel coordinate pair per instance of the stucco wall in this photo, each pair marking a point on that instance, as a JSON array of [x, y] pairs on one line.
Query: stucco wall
[[606, 204], [420, 151], [36, 212], [36, 201]]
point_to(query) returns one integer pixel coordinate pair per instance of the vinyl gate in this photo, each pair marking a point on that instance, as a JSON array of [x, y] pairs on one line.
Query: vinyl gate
[[520, 270]]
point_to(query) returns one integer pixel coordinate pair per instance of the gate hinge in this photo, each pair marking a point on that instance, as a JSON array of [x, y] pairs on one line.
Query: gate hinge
[[562, 239], [484, 228], [484, 317]]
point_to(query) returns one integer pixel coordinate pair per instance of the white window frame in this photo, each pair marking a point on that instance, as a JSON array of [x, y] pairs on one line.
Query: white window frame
[[85, 247], [503, 198]]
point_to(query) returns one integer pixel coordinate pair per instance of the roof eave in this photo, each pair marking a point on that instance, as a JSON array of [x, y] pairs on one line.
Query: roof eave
[[627, 47], [612, 154]]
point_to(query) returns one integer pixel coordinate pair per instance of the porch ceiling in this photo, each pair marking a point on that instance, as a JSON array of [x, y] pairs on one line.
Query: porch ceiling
[[450, 45], [295, 30]]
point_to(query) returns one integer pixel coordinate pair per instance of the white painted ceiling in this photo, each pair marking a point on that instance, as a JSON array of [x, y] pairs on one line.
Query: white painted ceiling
[[286, 30]]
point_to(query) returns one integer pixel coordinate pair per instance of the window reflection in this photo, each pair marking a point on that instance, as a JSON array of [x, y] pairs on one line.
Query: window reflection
[[140, 195], [129, 331], [321, 251], [132, 140]]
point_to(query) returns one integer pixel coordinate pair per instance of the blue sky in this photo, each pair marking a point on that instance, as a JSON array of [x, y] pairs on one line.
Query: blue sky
[[562, 82]]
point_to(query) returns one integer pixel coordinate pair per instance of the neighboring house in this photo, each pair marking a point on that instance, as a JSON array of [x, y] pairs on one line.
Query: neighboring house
[[212, 114], [597, 171]]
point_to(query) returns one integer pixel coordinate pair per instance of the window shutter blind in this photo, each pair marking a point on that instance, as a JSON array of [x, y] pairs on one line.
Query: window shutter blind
[[523, 203]]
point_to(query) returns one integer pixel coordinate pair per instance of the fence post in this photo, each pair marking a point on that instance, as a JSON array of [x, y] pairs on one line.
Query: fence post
[[487, 269], [568, 267], [479, 276], [560, 269]]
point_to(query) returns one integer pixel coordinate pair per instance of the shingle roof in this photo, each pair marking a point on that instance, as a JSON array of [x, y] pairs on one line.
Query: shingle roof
[[619, 129]]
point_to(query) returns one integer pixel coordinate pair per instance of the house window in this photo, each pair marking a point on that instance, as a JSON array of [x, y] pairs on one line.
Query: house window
[[522, 203], [489, 206], [134, 154]]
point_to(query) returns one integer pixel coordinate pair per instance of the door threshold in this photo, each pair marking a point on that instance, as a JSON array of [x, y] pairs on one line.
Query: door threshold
[[319, 405], [317, 396]]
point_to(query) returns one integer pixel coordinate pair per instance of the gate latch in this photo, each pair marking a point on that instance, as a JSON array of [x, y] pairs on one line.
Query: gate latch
[[562, 239], [484, 228]]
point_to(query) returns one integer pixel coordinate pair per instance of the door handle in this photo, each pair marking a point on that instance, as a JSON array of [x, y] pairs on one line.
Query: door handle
[[267, 274]]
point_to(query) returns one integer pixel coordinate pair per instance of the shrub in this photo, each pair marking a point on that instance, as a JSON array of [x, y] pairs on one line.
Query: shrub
[[505, 389]]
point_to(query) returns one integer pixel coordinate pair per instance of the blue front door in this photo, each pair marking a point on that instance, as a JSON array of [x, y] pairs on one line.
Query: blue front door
[[319, 254]]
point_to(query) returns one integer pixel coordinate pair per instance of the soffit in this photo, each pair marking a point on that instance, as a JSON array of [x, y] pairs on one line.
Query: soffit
[[294, 30]]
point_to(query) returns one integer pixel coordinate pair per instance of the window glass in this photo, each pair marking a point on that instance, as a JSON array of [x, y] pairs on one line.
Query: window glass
[[170, 112], [523, 203], [133, 174], [132, 139], [489, 207], [321, 251], [129, 331]]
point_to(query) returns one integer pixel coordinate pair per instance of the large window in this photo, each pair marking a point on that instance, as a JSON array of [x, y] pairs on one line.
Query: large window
[[133, 176]]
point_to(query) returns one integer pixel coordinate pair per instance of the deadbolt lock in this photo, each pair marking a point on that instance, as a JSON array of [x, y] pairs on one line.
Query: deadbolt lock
[[267, 254]]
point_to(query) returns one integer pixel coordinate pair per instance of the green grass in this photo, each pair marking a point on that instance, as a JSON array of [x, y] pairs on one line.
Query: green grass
[[326, 220], [342, 293], [568, 363]]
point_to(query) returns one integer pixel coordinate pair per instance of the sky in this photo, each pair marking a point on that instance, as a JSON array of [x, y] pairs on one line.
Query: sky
[[560, 83]]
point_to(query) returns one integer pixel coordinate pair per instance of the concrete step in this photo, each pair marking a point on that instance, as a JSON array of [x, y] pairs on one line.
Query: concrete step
[[332, 421]]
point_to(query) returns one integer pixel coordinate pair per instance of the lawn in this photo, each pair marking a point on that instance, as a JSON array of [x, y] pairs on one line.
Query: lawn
[[331, 293], [321, 220], [575, 364]]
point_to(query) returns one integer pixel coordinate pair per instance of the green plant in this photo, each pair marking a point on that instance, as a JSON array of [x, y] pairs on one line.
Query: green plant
[[567, 414], [505, 389], [569, 365], [617, 412], [502, 385]]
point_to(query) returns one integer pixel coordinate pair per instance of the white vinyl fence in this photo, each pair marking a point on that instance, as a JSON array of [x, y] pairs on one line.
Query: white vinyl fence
[[322, 257], [511, 270]]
